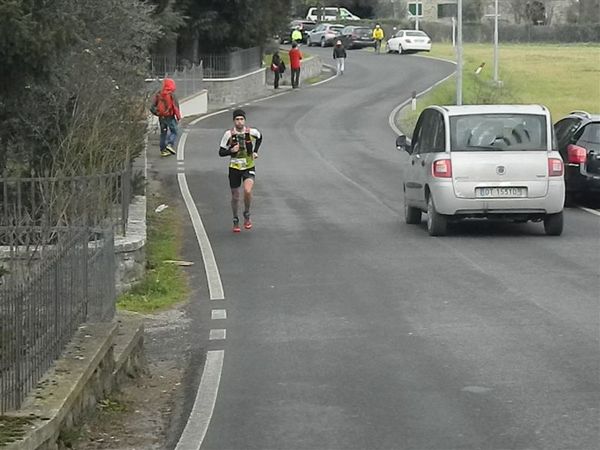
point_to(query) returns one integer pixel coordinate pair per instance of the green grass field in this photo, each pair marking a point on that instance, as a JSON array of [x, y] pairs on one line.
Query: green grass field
[[562, 77]]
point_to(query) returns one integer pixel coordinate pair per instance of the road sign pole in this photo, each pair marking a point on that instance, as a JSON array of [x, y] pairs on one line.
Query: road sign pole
[[459, 56]]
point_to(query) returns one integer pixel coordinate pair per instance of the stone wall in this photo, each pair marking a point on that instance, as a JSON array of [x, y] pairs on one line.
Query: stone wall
[[130, 250]]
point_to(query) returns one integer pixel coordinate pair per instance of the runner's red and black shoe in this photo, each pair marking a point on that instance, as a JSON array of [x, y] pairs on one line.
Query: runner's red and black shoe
[[247, 221], [236, 225]]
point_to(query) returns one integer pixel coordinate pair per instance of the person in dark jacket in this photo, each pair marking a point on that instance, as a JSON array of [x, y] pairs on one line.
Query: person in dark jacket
[[276, 67], [339, 54]]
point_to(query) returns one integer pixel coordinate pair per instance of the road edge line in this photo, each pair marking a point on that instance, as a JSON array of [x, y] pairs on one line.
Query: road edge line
[[204, 404]]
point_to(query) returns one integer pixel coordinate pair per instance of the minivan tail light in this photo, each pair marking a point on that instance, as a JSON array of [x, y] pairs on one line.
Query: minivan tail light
[[555, 167], [576, 154], [442, 168]]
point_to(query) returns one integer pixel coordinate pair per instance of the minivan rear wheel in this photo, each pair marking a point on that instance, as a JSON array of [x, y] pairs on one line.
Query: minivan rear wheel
[[553, 224], [437, 224], [412, 216]]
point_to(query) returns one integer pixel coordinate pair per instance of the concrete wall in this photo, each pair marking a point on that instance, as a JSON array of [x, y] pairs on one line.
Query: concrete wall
[[311, 67], [224, 92], [98, 358], [194, 104]]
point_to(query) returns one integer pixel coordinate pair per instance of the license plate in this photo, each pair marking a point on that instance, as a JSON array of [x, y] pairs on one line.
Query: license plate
[[501, 192]]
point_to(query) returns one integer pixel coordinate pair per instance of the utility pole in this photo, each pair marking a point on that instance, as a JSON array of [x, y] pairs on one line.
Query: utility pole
[[496, 42], [417, 15], [496, 16], [459, 56]]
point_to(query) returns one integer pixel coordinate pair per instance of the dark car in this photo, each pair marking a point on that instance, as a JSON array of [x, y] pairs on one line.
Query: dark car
[[305, 26], [354, 36], [578, 136]]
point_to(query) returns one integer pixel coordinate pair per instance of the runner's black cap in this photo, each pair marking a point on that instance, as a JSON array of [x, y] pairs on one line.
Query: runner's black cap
[[238, 113]]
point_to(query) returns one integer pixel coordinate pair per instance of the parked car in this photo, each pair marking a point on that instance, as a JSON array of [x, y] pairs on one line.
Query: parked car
[[578, 136], [329, 13], [483, 161], [409, 40], [285, 36], [354, 36], [324, 34]]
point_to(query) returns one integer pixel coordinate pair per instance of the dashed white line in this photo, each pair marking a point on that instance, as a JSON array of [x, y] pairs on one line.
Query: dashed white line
[[217, 334], [204, 405], [218, 314]]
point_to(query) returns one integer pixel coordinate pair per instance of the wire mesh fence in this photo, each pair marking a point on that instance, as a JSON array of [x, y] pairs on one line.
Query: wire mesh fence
[[47, 289]]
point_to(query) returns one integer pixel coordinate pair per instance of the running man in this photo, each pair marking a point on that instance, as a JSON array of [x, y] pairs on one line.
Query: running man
[[241, 143]]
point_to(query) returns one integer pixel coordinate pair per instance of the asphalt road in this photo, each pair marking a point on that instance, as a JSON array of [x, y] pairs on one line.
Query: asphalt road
[[347, 329]]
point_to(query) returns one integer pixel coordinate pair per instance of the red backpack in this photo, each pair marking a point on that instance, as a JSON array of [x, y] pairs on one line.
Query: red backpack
[[163, 105]]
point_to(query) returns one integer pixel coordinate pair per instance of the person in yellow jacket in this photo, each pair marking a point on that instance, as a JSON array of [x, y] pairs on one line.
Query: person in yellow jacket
[[378, 36], [297, 35]]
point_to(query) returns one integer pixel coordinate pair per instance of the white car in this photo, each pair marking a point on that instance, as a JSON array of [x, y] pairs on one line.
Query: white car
[[330, 13], [409, 40], [483, 161]]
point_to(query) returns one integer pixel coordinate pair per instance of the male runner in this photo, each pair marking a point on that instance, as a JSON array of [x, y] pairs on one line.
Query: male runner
[[241, 143]]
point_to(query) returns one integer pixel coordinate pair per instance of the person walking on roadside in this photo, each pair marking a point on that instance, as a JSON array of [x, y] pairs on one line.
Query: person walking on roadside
[[295, 57], [339, 54], [378, 36], [278, 68], [241, 143], [297, 35], [166, 106]]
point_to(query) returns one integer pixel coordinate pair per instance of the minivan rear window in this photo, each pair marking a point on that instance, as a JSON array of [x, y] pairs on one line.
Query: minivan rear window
[[498, 132]]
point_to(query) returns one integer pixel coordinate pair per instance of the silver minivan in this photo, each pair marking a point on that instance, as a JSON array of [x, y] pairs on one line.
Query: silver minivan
[[483, 161]]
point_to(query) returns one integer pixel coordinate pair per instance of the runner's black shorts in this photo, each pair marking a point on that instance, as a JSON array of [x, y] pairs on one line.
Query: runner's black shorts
[[236, 176]]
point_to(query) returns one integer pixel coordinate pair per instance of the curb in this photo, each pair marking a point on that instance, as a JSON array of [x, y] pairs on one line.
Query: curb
[[89, 369]]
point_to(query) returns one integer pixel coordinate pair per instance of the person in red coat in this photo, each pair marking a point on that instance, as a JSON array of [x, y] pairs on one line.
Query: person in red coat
[[295, 58]]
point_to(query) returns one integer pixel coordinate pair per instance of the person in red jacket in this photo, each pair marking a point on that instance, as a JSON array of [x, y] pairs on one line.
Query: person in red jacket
[[166, 107], [295, 58]]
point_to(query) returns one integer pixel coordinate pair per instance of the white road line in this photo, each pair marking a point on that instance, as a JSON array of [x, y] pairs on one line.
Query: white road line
[[591, 211], [195, 121], [181, 147], [392, 115], [204, 404], [333, 77], [215, 287], [218, 314], [217, 334]]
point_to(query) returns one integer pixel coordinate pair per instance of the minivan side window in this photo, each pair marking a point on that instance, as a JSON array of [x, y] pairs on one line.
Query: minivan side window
[[416, 138], [439, 133], [429, 128]]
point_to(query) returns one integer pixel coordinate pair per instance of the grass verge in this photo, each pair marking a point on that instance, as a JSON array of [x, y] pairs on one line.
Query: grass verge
[[541, 73], [164, 283]]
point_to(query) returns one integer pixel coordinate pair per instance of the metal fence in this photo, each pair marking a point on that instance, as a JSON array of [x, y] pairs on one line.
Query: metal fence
[[57, 267], [45, 202], [187, 76], [46, 292], [232, 64]]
